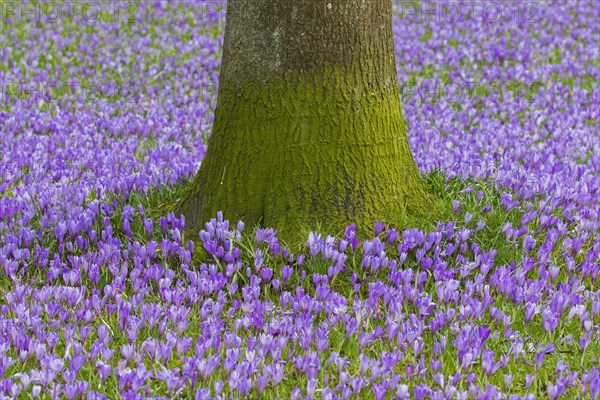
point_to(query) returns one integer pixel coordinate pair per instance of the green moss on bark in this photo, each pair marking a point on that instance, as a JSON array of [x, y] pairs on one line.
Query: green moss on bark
[[328, 148]]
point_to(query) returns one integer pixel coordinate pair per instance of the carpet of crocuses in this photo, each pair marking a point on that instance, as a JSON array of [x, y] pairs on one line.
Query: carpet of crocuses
[[102, 116]]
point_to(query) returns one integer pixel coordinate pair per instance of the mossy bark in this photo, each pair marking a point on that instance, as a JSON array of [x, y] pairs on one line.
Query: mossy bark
[[308, 126]]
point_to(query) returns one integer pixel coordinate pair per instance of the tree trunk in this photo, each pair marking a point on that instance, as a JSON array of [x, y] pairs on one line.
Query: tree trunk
[[308, 126]]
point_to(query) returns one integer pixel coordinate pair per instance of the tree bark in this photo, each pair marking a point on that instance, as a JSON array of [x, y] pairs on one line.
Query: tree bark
[[308, 126]]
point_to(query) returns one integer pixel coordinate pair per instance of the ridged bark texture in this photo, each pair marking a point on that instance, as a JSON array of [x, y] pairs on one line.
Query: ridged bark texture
[[308, 126]]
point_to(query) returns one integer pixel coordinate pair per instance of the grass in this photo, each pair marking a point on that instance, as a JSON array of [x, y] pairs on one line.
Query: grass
[[157, 202]]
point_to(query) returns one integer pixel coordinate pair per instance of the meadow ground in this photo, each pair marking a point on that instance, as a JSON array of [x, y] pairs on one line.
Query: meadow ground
[[103, 122]]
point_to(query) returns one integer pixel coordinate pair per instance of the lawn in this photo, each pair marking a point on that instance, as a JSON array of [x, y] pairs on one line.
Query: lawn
[[104, 121]]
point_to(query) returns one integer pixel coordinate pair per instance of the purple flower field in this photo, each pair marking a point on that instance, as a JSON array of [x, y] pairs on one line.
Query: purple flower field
[[103, 122]]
